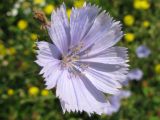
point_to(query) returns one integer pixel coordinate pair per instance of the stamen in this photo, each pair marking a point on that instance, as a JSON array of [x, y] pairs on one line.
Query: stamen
[[77, 48], [75, 58], [87, 51], [69, 61], [74, 72], [84, 66]]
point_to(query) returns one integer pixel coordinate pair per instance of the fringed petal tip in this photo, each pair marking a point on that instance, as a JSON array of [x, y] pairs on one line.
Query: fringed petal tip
[[73, 109]]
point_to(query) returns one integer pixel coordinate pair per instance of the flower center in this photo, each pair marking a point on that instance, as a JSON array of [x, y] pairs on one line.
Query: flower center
[[69, 61], [72, 56]]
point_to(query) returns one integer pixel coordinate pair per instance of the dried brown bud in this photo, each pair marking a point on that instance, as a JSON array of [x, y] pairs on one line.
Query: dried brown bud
[[41, 17]]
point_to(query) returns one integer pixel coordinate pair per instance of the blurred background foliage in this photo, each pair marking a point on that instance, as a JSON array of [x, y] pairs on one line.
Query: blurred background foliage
[[22, 91]]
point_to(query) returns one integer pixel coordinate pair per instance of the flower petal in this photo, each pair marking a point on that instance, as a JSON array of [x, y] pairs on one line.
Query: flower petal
[[113, 55], [81, 21], [66, 91], [112, 72], [111, 63], [47, 53], [49, 49], [116, 101], [104, 33], [102, 82], [59, 29], [53, 76], [79, 94]]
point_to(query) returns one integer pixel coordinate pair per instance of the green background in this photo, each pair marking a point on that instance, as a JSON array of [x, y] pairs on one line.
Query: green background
[[19, 72]]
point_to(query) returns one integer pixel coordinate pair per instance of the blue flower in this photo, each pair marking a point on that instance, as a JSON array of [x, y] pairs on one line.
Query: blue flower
[[83, 63], [143, 51], [115, 101], [135, 74]]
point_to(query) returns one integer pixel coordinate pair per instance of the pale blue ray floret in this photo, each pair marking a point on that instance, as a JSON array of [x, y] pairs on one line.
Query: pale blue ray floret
[[83, 62]]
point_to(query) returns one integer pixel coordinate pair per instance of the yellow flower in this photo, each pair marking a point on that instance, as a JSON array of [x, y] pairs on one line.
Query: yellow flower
[[2, 50], [24, 65], [145, 5], [69, 13], [10, 92], [137, 4], [129, 37], [44, 92], [26, 5], [48, 9], [39, 2], [157, 68], [11, 51], [33, 91], [34, 36], [22, 24], [1, 46], [26, 52], [78, 3], [141, 4], [146, 24], [128, 20]]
